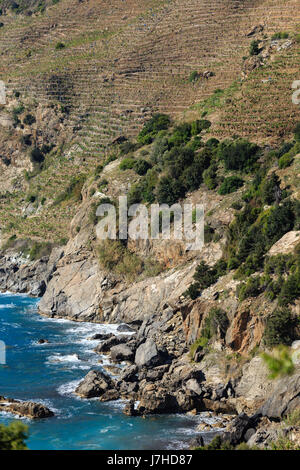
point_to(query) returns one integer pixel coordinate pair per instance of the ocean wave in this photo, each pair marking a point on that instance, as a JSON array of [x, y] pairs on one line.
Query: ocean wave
[[72, 360], [68, 389], [5, 306]]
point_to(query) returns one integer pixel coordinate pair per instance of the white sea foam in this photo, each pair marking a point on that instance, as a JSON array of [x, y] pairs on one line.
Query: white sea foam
[[71, 359], [5, 306], [68, 388]]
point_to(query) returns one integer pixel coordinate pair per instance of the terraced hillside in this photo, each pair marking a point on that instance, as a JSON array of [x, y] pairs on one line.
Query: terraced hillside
[[90, 71]]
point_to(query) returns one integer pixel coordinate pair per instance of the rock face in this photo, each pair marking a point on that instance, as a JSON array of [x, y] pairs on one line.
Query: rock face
[[285, 398], [21, 275], [26, 409], [95, 384], [73, 291]]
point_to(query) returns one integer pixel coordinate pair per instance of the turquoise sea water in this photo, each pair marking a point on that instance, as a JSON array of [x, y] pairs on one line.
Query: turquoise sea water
[[49, 373]]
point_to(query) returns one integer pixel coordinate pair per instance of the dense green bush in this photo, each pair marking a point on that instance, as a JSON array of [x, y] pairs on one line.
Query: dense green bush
[[251, 288], [270, 189], [169, 190], [280, 328], [238, 154], [254, 48], [290, 289], [230, 185], [157, 123], [278, 221], [199, 125], [141, 167], [205, 276], [177, 160], [181, 135], [210, 176]]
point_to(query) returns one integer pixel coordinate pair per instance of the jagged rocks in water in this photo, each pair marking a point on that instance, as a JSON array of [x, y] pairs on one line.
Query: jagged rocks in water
[[26, 409], [121, 352], [95, 384], [129, 409], [147, 355], [157, 402], [124, 328]]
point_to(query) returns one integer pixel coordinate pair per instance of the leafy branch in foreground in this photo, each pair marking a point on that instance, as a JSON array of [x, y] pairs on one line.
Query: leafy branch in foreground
[[279, 363]]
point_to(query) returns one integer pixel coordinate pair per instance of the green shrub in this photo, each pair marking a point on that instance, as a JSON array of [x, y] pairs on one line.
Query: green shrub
[[216, 444], [254, 48], [290, 289], [210, 176], [280, 328], [157, 123], [285, 161], [216, 322], [194, 76], [181, 135], [169, 190], [59, 46], [127, 164], [238, 154], [36, 155], [199, 125], [270, 189], [141, 167], [230, 185], [29, 119], [251, 288], [280, 35]]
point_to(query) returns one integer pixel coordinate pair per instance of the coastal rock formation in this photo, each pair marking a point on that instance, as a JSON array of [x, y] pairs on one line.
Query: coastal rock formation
[[26, 409], [95, 384], [284, 400]]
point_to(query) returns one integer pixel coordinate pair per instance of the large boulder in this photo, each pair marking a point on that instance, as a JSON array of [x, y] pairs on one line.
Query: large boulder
[[121, 352], [285, 398], [106, 346], [95, 384], [147, 355]]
